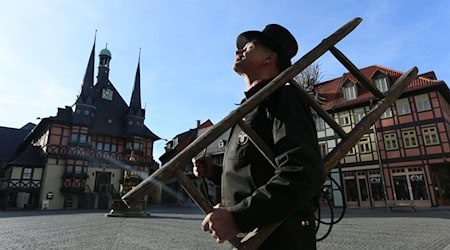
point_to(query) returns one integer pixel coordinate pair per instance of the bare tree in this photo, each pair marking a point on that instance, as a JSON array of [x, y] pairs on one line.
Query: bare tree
[[308, 78]]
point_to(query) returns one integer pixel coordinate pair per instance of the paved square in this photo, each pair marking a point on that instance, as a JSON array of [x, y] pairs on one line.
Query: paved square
[[179, 228]]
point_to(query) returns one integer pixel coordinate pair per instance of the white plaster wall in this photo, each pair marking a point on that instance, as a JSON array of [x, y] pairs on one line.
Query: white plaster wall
[[51, 182]]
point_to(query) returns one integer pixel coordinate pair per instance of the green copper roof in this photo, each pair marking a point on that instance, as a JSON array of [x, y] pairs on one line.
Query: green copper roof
[[105, 52]]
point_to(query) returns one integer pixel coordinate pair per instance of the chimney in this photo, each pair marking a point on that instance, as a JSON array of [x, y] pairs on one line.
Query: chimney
[[198, 123]]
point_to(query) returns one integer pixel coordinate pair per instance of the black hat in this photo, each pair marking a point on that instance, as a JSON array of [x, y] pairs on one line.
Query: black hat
[[275, 37]]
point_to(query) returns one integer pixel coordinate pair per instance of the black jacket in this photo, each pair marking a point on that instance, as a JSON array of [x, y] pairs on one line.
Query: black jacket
[[259, 194]]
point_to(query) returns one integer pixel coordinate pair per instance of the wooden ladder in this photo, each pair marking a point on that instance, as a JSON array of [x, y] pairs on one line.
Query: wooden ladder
[[174, 166]]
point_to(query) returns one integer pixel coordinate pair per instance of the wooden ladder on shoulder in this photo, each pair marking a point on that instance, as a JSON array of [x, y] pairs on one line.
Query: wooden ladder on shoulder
[[174, 166]]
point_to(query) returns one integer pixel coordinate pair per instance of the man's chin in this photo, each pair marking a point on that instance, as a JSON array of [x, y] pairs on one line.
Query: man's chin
[[237, 69]]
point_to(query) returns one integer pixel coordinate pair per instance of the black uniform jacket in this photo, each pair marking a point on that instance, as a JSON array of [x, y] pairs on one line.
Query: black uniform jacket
[[259, 194]]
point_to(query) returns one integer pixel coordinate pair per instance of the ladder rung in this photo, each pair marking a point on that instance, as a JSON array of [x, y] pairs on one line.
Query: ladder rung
[[258, 142], [322, 113], [356, 73]]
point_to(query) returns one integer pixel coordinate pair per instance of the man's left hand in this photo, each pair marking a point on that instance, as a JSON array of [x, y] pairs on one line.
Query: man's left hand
[[220, 224]]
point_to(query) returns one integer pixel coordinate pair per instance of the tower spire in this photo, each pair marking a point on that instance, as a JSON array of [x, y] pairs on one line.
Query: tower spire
[[136, 115], [88, 80], [135, 102], [85, 104]]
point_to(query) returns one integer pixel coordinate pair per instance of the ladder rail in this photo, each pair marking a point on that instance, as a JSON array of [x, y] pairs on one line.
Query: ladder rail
[[356, 73]]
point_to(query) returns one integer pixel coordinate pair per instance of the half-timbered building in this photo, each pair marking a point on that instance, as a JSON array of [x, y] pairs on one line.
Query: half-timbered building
[[406, 154], [80, 157]]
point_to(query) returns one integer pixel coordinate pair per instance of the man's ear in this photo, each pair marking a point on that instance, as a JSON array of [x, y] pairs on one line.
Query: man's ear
[[270, 58]]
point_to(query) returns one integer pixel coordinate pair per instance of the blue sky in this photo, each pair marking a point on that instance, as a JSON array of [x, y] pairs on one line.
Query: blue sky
[[188, 49]]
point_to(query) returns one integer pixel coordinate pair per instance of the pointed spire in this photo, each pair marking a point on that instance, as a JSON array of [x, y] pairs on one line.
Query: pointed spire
[[88, 80], [89, 75], [135, 102]]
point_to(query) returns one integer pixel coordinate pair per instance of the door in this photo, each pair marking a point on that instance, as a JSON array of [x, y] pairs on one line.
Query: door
[[441, 182], [101, 180], [351, 190], [356, 189], [363, 190]]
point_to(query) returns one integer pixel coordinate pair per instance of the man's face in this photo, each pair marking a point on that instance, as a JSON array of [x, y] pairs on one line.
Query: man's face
[[250, 57]]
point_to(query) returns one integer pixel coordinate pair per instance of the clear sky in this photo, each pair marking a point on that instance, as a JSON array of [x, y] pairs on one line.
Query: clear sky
[[188, 49]]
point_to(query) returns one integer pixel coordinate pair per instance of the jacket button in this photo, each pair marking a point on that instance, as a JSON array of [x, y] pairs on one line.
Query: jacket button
[[304, 223]]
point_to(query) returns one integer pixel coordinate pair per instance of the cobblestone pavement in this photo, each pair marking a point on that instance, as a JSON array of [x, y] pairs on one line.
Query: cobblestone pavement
[[179, 228]]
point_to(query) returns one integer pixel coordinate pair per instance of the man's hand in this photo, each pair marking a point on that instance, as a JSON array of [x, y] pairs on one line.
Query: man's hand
[[220, 224], [203, 166]]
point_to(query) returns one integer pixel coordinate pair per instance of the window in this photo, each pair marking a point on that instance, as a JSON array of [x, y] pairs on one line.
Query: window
[[390, 141], [401, 187], [409, 138], [83, 138], [80, 138], [344, 119], [27, 173], [403, 106], [382, 84], [76, 169], [106, 147], [358, 114], [320, 124], [68, 201], [136, 146], [74, 138], [351, 151], [430, 136], [364, 145], [387, 113], [350, 92], [422, 102]]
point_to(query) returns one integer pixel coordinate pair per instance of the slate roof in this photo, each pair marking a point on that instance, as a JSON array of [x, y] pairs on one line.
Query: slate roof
[[10, 140], [332, 90], [32, 156]]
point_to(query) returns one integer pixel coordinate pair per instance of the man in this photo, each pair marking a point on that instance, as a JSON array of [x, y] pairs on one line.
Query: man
[[255, 194]]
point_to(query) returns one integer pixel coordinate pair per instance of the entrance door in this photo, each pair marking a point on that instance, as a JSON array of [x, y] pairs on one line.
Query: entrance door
[[441, 183], [351, 189], [356, 189], [363, 190], [101, 179]]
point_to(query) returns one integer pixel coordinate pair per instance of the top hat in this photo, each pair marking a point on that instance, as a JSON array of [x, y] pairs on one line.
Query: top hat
[[275, 37]]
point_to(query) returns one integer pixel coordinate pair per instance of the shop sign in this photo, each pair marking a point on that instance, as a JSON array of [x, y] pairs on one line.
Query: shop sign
[[375, 179], [50, 196], [416, 177]]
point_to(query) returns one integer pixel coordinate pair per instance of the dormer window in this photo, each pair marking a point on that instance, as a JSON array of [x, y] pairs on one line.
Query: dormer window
[[107, 94], [382, 83], [350, 91]]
